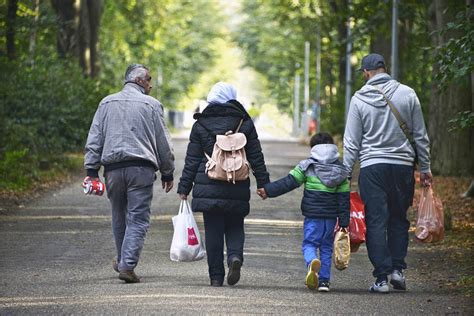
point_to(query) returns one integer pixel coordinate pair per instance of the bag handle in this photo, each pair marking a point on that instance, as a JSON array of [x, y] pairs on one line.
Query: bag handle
[[184, 207], [401, 122]]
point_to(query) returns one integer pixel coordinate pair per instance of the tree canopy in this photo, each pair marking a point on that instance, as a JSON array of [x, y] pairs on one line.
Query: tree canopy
[[60, 57]]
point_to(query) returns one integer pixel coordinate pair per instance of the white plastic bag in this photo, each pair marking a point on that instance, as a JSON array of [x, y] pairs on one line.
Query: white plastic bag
[[187, 244]]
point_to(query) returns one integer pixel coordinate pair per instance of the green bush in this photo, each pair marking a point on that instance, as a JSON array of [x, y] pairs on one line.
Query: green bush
[[45, 111]]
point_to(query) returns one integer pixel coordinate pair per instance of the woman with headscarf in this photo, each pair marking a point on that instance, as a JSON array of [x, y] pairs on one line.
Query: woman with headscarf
[[223, 204]]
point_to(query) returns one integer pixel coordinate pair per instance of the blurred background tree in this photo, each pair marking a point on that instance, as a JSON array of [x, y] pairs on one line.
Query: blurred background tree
[[58, 58]]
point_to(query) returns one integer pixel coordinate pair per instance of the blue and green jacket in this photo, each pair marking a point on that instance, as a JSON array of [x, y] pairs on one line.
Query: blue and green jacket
[[326, 188]]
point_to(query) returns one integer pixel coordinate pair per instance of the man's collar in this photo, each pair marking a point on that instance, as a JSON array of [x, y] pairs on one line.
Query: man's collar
[[133, 85]]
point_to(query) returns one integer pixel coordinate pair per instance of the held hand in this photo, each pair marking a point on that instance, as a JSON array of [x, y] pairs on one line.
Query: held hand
[[261, 192], [87, 180], [183, 196], [426, 179], [167, 185]]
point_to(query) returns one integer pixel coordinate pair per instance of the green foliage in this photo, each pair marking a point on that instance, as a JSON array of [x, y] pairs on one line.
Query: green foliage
[[12, 177], [176, 38], [47, 105], [274, 32], [455, 58], [463, 120]]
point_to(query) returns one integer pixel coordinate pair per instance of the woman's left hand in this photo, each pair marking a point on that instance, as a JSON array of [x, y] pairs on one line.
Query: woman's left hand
[[183, 196]]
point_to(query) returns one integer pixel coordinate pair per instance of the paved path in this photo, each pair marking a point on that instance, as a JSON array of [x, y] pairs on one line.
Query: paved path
[[55, 258]]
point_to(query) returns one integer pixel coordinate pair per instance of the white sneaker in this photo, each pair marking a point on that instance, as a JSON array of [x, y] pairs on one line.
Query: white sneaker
[[397, 280], [381, 287]]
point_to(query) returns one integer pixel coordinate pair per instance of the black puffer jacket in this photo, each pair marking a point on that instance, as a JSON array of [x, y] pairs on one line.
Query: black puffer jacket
[[220, 196]]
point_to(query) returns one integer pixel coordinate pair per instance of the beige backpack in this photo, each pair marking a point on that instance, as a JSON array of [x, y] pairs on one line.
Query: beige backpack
[[228, 161]]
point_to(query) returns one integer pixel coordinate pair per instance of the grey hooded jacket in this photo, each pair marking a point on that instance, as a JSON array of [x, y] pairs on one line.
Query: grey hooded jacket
[[129, 128], [373, 133]]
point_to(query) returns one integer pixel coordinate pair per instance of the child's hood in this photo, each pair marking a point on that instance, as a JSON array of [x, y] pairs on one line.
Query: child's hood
[[325, 161]]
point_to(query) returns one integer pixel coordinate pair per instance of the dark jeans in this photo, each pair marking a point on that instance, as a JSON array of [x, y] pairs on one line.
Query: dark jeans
[[130, 191], [387, 191], [217, 227]]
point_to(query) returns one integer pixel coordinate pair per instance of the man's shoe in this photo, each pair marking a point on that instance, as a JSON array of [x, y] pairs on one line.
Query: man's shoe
[[379, 287], [233, 276], [323, 286], [129, 276], [115, 265], [312, 276], [216, 282], [397, 280]]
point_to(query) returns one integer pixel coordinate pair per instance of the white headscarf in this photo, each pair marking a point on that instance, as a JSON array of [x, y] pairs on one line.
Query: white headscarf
[[221, 92]]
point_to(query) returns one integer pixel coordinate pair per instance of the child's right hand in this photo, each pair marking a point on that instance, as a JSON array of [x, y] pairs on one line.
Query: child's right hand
[[261, 192]]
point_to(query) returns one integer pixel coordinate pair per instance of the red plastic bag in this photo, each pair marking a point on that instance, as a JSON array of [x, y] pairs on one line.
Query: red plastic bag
[[430, 222], [357, 228]]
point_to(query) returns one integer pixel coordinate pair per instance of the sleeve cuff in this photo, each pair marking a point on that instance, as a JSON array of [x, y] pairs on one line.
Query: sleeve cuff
[[167, 178], [93, 173]]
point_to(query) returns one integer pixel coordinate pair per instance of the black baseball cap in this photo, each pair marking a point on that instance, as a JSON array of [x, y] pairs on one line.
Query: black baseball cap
[[372, 62]]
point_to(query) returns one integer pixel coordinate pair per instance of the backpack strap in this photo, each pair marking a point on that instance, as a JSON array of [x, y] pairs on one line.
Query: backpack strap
[[401, 122], [238, 127]]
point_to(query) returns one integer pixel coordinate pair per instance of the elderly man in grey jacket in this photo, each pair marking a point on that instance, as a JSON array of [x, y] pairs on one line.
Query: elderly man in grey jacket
[[387, 159], [129, 138]]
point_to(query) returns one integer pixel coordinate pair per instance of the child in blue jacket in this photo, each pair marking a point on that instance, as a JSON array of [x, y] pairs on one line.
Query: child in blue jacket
[[326, 199]]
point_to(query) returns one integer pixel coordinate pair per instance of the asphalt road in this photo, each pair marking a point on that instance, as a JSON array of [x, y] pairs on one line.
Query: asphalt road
[[55, 259]]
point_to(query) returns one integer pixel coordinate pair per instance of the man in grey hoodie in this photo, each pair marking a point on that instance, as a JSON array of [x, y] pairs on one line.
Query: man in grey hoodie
[[387, 159], [129, 138]]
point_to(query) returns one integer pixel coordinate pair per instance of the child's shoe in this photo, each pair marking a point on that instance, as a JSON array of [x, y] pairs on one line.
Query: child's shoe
[[312, 276], [323, 286]]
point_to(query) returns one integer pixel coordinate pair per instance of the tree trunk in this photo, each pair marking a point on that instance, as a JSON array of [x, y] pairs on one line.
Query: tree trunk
[[95, 11], [78, 33], [380, 44], [34, 29], [337, 8], [90, 12], [10, 33], [451, 152], [67, 34]]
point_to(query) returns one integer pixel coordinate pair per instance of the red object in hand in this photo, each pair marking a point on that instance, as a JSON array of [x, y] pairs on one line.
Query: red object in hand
[[357, 227], [93, 187]]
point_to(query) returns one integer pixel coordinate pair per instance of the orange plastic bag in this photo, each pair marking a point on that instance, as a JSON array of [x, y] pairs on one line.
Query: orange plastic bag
[[430, 222]]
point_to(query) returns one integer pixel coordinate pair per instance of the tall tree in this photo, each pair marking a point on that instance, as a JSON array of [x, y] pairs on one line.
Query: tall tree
[[78, 33], [89, 22], [10, 34], [67, 27], [452, 152]]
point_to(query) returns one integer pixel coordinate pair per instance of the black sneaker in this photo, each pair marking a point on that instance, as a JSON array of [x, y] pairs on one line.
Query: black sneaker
[[233, 276], [397, 280], [323, 286]]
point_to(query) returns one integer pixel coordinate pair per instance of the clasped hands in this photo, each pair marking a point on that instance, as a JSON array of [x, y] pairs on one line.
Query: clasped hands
[[261, 193]]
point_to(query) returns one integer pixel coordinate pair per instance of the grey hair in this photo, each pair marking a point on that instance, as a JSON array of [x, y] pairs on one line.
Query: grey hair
[[135, 71]]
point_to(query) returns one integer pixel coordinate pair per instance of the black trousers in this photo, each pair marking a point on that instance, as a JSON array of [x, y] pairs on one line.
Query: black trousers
[[387, 192], [216, 228]]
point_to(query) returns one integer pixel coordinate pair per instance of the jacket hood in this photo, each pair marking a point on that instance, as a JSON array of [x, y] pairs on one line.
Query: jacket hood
[[371, 96], [328, 168], [325, 153]]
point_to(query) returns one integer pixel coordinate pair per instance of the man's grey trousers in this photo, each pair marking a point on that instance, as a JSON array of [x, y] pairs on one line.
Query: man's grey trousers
[[130, 191]]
